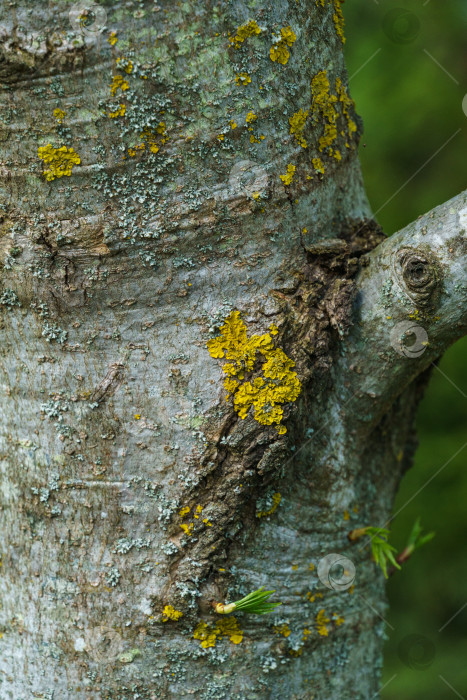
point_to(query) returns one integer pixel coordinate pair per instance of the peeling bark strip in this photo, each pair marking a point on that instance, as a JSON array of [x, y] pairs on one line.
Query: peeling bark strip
[[168, 167]]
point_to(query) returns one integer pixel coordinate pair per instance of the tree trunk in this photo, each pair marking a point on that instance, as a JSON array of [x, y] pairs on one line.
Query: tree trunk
[[208, 229]]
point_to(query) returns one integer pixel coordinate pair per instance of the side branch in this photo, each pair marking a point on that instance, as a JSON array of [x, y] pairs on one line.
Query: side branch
[[411, 305]]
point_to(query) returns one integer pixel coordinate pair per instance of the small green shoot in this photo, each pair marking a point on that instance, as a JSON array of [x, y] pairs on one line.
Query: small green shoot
[[383, 552], [254, 603], [415, 541], [381, 549]]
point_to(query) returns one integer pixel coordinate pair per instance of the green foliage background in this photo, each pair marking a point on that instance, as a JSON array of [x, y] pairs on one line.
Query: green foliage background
[[413, 154]]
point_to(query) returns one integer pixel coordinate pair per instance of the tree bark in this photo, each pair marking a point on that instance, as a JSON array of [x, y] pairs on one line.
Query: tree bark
[[214, 170]]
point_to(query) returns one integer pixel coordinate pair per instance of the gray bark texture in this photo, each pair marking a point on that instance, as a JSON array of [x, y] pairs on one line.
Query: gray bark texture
[[213, 192]]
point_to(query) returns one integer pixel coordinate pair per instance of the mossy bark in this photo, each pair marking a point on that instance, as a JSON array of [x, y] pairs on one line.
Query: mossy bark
[[202, 188]]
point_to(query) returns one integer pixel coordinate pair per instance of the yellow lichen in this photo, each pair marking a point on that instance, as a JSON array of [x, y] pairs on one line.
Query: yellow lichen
[[297, 124], [233, 125], [125, 63], [59, 114], [198, 510], [338, 619], [112, 39], [323, 105], [321, 620], [187, 529], [347, 106], [60, 160], [284, 629], [243, 79], [150, 136], [288, 177], [118, 83], [318, 165], [338, 18], [243, 32], [279, 52], [251, 117], [184, 511], [276, 499], [313, 596], [265, 394], [170, 613], [224, 627], [118, 113]]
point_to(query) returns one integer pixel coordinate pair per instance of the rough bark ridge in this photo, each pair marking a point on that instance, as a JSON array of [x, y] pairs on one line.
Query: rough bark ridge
[[165, 166]]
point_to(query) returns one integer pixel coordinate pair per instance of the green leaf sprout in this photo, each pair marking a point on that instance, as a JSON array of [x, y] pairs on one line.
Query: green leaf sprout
[[254, 603]]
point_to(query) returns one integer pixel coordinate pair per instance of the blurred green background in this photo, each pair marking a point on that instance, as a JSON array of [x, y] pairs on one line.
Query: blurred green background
[[407, 65]]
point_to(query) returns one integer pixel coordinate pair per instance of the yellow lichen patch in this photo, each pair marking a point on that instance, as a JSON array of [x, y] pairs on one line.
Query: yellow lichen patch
[[133, 151], [118, 112], [243, 32], [318, 165], [313, 596], [279, 52], [118, 83], [321, 621], [207, 523], [150, 136], [288, 177], [125, 64], [220, 137], [297, 124], [169, 613], [187, 529], [276, 499], [243, 79], [229, 628], [338, 619], [338, 18], [323, 105], [225, 627], [112, 39], [265, 394], [251, 117], [198, 511], [205, 634], [284, 629], [60, 160], [347, 106], [296, 652], [184, 511], [306, 634], [233, 125], [59, 114]]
